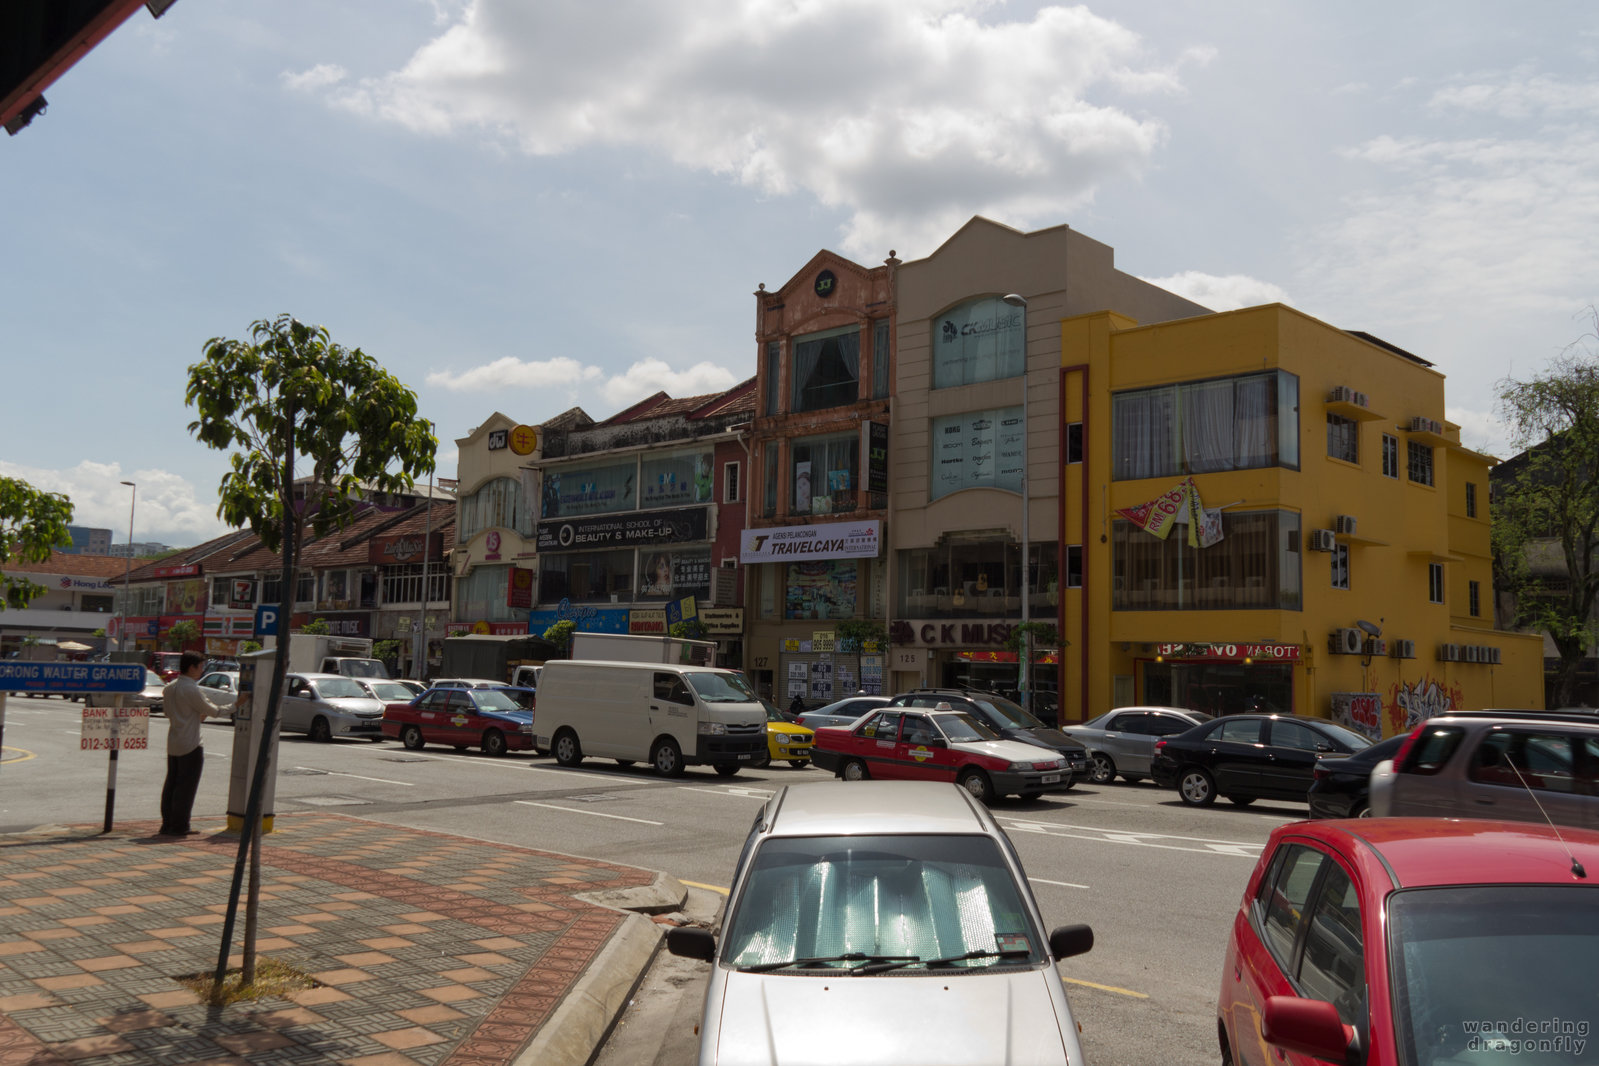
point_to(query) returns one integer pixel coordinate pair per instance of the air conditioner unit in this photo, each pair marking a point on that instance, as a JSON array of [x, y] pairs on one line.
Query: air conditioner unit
[[1425, 425], [1449, 653], [1376, 646], [1471, 653], [1361, 400], [1322, 540], [1493, 655], [1402, 649], [1342, 394], [1345, 525], [1344, 641]]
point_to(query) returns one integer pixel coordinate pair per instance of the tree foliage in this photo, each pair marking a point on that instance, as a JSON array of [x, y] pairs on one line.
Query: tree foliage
[[33, 523], [560, 634], [1546, 506], [318, 626], [182, 633]]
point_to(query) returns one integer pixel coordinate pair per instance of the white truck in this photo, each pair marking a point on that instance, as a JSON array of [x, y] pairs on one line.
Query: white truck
[[640, 648], [318, 653]]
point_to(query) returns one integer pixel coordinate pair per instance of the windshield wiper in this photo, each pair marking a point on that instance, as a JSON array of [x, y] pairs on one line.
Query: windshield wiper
[[982, 953], [850, 956]]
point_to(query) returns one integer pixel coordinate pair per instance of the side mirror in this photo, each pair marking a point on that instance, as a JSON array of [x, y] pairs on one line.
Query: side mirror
[[1310, 1027], [1069, 940], [691, 943]]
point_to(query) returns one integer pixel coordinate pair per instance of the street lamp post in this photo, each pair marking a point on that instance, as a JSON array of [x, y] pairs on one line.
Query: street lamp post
[[1026, 671], [127, 568]]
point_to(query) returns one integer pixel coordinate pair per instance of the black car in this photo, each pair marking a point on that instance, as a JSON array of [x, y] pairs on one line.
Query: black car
[[1008, 719], [1246, 757], [1341, 788]]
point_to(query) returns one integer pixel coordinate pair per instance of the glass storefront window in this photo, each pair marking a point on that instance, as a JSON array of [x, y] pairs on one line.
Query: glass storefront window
[[821, 589], [976, 577], [672, 573], [826, 473], [1220, 688], [1256, 564], [587, 577]]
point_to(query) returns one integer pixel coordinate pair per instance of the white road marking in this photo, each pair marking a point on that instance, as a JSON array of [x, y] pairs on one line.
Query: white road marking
[[358, 777], [732, 790], [1060, 884], [596, 814], [1139, 839]]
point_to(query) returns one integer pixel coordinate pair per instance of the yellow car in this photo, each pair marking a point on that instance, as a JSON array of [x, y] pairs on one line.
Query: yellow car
[[786, 740]]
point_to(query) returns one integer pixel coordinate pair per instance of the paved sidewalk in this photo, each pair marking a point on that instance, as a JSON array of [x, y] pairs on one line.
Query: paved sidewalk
[[427, 948]]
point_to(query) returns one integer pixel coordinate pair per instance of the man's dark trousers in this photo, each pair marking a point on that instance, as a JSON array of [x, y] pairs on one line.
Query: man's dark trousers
[[177, 794]]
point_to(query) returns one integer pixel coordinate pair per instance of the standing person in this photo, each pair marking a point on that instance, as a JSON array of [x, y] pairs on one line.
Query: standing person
[[185, 706], [797, 706]]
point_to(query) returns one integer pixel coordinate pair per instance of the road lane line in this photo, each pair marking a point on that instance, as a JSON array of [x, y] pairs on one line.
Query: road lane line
[[1107, 988], [711, 888], [358, 777], [596, 814], [1062, 884], [1142, 840], [732, 790]]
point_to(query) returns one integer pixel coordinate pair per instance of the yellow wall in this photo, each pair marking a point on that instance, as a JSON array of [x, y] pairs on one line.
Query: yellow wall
[[1401, 526]]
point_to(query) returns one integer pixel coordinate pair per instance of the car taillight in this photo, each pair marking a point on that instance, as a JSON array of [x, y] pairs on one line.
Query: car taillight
[[1404, 749], [1159, 746], [1320, 773]]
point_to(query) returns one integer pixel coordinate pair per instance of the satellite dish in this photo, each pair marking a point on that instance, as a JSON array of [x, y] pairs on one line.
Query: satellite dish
[[1371, 629]]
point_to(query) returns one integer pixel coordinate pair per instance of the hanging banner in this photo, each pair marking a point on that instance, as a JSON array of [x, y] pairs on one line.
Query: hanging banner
[[1156, 516]]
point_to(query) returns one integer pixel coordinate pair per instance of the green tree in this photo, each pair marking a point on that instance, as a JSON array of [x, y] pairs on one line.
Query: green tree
[[317, 625], [1546, 508], [687, 629], [560, 634], [247, 646], [181, 634], [33, 523], [288, 392]]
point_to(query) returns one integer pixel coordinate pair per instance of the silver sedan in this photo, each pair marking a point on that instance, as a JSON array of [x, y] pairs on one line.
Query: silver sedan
[[324, 706], [1123, 741]]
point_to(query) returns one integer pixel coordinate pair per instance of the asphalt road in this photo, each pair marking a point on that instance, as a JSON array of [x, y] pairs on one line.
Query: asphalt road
[[1158, 882]]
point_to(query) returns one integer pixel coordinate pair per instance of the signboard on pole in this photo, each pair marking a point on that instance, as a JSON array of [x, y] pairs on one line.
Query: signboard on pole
[[115, 729], [71, 677]]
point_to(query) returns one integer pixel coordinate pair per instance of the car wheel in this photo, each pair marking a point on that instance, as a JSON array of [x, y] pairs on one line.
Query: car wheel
[[854, 770], [976, 782], [668, 758], [411, 737], [799, 764], [1241, 801], [493, 742], [762, 761], [320, 732], [727, 769], [1101, 771], [567, 750], [1362, 810], [1196, 787]]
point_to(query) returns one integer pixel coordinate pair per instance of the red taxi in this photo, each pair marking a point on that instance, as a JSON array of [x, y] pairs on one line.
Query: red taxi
[[938, 745], [1414, 942], [462, 718]]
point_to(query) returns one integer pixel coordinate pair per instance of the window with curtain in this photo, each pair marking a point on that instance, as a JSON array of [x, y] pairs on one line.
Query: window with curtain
[[497, 503], [825, 473], [880, 359], [1343, 438], [774, 378], [481, 595], [769, 479], [1237, 423], [1256, 564], [826, 369], [1420, 463]]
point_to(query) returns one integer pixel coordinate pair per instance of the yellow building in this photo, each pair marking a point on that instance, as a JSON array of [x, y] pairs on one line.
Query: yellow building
[[1347, 573]]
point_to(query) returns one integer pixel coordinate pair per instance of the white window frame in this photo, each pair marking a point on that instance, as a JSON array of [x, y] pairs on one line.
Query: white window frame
[[732, 482]]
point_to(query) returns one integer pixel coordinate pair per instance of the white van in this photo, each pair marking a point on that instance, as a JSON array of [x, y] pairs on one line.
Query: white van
[[673, 716]]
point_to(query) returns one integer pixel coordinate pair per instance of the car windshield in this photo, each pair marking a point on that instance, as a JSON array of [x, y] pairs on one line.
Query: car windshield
[[524, 698], [914, 899], [1538, 942], [774, 713], [963, 726], [721, 687], [362, 668], [489, 700], [1010, 713], [1351, 739], [388, 690], [152, 678], [339, 688]]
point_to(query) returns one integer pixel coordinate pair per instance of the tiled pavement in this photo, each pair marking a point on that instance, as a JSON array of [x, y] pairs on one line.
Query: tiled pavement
[[428, 949]]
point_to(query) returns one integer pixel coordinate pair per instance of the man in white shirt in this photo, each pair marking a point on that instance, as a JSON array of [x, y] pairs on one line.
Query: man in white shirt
[[185, 705]]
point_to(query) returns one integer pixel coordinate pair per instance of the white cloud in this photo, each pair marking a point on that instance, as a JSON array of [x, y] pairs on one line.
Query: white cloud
[[320, 76], [910, 117], [167, 508], [639, 380], [1482, 431], [511, 372], [652, 375], [1222, 293]]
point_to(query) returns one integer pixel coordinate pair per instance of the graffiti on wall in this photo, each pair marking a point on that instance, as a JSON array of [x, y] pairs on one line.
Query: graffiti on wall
[[1411, 703]]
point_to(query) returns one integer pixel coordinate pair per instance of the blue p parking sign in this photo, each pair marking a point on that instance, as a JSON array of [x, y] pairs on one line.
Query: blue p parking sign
[[266, 621]]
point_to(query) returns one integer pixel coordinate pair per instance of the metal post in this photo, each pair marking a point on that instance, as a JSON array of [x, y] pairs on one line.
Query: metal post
[[127, 568], [419, 656], [111, 771], [1026, 671]]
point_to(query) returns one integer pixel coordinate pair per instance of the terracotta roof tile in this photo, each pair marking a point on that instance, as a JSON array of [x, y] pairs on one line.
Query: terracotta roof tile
[[73, 565]]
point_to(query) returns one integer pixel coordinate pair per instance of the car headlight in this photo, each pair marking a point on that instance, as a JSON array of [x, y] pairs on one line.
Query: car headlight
[[712, 729], [1052, 764], [783, 738], [527, 729]]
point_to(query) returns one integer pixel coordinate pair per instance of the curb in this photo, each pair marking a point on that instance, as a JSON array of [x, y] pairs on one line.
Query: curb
[[574, 1033], [662, 896]]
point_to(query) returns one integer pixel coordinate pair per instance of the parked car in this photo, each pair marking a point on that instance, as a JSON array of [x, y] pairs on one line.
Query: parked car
[[385, 690], [466, 682], [462, 718], [525, 698], [416, 687], [1008, 719], [1496, 764], [1122, 741], [914, 899], [938, 745], [841, 712], [1246, 757], [165, 663], [786, 740], [149, 696], [223, 688], [1341, 787], [1413, 942], [324, 706]]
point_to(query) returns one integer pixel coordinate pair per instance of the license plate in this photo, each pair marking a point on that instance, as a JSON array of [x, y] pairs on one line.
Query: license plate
[[1050, 779], [746, 755]]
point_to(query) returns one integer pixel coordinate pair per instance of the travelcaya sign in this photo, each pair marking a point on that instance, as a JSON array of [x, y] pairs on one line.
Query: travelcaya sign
[[1196, 650]]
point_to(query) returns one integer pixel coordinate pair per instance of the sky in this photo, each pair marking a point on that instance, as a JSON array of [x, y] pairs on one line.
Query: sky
[[525, 207]]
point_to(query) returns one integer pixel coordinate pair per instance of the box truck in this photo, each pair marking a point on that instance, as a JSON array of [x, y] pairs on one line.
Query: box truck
[[640, 648], [514, 658], [319, 653]]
